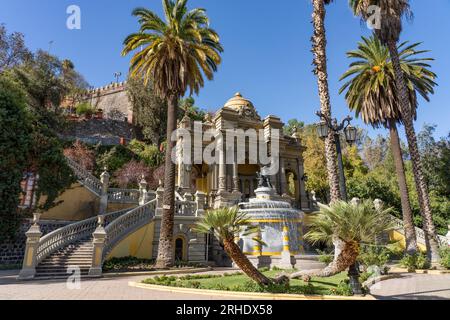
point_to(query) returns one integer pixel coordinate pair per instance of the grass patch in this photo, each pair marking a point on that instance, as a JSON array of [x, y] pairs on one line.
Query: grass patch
[[336, 285]]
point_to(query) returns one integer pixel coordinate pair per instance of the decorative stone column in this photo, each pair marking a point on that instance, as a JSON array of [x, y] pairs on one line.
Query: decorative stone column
[[236, 178], [283, 180], [98, 242], [222, 166], [159, 201], [286, 257], [143, 193], [104, 178], [29, 262], [200, 198], [302, 178]]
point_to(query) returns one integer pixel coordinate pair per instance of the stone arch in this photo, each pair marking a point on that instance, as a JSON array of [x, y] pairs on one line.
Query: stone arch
[[180, 247]]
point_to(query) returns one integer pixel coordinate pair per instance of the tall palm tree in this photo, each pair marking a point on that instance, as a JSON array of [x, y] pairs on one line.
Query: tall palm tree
[[372, 93], [353, 224], [392, 12], [319, 41], [175, 55], [227, 225]]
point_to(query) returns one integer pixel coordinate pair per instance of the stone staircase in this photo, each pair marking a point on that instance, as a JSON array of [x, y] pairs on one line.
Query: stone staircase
[[85, 245], [75, 257]]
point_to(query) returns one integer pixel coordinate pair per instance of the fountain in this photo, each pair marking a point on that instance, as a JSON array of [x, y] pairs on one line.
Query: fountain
[[281, 228]]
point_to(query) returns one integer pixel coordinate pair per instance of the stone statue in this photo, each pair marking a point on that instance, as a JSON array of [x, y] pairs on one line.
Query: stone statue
[[263, 180]]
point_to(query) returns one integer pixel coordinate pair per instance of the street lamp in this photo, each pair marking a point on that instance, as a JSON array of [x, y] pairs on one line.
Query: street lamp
[[323, 130], [117, 75]]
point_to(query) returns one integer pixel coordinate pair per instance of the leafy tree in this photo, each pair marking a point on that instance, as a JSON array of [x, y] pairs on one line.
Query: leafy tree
[[131, 174], [13, 50], [149, 111], [176, 55], [292, 126], [315, 163], [436, 160], [15, 144], [188, 107], [81, 154], [150, 154]]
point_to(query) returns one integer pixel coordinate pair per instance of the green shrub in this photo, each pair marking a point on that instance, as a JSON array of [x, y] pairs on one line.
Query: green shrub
[[150, 154], [363, 277], [325, 257], [112, 158], [396, 250], [415, 261], [84, 109], [445, 257], [128, 263], [343, 289], [374, 256], [193, 285]]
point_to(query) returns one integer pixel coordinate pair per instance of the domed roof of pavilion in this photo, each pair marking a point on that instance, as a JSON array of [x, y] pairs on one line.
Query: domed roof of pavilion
[[243, 107], [238, 102]]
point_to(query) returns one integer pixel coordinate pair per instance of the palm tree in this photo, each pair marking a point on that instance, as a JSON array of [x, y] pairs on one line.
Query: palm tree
[[354, 224], [320, 62], [392, 12], [175, 55], [372, 94], [227, 225]]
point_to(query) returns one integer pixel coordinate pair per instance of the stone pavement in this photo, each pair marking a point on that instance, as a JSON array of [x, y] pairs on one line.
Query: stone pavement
[[91, 289], [409, 286], [413, 287]]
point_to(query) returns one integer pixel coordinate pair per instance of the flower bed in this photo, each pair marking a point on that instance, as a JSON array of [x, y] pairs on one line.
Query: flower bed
[[336, 285]]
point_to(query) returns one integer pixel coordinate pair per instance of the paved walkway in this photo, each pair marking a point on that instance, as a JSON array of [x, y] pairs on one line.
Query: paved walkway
[[413, 287], [409, 286], [96, 289]]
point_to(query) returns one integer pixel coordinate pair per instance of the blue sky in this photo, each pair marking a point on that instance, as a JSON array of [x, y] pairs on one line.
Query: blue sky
[[267, 48]]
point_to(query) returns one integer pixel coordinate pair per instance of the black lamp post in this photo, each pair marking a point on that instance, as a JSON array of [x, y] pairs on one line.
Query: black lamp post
[[323, 129], [117, 75]]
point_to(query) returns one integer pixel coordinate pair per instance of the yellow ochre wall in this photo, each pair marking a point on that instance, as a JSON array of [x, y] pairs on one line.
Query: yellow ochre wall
[[138, 244], [78, 203], [396, 236]]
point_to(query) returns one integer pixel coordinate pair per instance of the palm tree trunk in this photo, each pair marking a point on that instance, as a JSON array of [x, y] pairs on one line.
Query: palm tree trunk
[[408, 223], [348, 253], [165, 257], [421, 186], [235, 253], [320, 62]]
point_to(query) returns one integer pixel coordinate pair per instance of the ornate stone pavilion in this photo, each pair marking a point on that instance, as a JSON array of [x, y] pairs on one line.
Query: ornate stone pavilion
[[229, 184]]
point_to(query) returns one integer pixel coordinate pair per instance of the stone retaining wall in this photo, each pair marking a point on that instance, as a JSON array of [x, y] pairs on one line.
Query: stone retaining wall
[[12, 251]]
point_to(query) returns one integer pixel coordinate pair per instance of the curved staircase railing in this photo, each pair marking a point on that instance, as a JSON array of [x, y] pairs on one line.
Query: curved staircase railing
[[85, 177], [123, 195], [420, 234], [62, 237], [126, 224]]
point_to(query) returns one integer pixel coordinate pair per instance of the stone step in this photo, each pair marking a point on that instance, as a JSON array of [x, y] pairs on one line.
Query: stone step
[[59, 269], [59, 275], [83, 253], [66, 263]]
